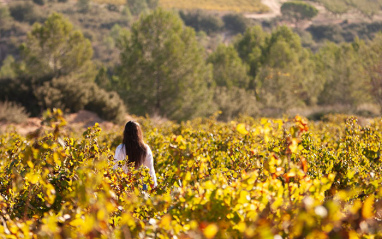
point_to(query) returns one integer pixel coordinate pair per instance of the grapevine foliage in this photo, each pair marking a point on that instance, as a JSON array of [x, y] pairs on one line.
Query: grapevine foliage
[[247, 179]]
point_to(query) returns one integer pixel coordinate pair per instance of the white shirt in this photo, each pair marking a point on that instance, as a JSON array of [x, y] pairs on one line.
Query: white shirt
[[120, 155]]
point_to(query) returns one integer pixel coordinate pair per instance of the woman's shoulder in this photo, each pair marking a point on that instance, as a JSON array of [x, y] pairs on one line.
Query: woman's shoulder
[[148, 149], [120, 147], [119, 152]]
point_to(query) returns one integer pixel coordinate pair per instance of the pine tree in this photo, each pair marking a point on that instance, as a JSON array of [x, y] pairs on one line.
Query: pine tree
[[228, 69], [56, 49], [163, 70]]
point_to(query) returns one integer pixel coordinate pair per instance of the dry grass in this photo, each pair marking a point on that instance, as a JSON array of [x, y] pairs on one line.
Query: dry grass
[[11, 112]]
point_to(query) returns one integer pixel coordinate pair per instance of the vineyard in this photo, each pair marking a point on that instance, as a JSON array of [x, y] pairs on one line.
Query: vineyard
[[250, 178]]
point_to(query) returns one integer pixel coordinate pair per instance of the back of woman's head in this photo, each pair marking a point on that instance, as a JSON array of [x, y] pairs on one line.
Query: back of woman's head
[[134, 145]]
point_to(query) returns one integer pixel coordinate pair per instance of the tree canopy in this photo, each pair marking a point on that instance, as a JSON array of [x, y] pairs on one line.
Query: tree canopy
[[56, 49], [163, 70], [228, 69]]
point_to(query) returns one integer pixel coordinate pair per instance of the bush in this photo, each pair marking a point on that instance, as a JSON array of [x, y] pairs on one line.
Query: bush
[[345, 31], [23, 12], [83, 6], [39, 2], [202, 21], [11, 112], [112, 8], [107, 105], [137, 6], [73, 95], [67, 93], [326, 32], [298, 11], [235, 23], [21, 90]]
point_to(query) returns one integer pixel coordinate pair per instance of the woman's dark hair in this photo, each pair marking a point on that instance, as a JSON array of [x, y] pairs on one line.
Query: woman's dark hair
[[133, 140]]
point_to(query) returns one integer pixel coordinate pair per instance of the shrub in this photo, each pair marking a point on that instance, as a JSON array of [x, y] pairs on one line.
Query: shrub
[[83, 6], [73, 95], [298, 11], [23, 12], [21, 90], [326, 32], [39, 2], [137, 6], [68, 93], [202, 21], [107, 105], [11, 112], [235, 23], [112, 8]]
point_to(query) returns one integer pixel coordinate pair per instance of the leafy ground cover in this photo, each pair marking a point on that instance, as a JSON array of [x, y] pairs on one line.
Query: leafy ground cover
[[250, 178]]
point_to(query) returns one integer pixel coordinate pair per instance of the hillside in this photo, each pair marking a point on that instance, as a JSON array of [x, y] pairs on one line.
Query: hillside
[[218, 5], [244, 74], [212, 5]]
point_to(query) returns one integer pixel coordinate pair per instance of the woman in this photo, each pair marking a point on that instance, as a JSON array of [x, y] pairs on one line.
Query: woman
[[137, 151]]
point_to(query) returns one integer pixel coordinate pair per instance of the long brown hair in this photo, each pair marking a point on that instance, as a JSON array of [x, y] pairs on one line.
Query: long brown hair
[[133, 140]]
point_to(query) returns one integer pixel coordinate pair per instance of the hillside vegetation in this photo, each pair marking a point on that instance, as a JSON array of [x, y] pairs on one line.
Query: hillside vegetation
[[181, 65], [217, 5], [255, 6], [366, 7]]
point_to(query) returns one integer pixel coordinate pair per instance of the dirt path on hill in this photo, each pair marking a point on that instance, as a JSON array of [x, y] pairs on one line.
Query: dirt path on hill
[[274, 6]]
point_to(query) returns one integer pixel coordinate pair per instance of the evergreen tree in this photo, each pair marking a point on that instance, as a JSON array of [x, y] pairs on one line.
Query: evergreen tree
[[344, 76], [250, 48], [56, 49], [163, 70], [228, 68], [286, 76], [371, 58]]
